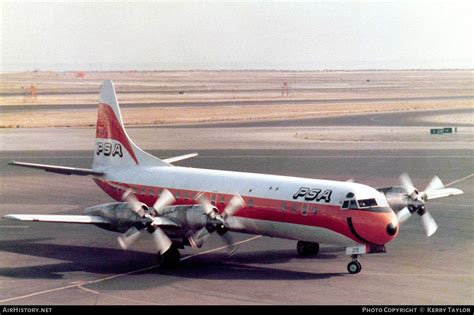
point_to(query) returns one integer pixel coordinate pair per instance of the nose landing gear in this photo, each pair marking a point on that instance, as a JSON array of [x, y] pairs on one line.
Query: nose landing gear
[[354, 266], [355, 251]]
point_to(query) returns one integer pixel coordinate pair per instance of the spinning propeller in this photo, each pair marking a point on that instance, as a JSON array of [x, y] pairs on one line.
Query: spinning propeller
[[416, 201], [161, 240], [216, 221]]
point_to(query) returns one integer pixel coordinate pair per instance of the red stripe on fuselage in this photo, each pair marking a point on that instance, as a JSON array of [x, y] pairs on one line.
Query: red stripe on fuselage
[[369, 224], [108, 127]]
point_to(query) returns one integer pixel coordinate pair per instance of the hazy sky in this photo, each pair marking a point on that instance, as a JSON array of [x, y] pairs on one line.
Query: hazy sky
[[80, 35]]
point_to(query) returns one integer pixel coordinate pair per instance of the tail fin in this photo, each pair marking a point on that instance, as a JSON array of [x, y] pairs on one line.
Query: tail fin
[[113, 146]]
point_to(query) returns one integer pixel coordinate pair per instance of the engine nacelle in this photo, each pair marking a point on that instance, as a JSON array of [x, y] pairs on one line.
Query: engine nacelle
[[396, 197], [190, 217], [119, 215]]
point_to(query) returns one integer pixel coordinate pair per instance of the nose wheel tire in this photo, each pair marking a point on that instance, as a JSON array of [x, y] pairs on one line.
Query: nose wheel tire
[[170, 258], [354, 267], [305, 249]]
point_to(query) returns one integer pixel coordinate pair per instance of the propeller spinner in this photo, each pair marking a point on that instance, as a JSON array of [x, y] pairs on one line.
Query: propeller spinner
[[416, 201], [216, 221], [161, 240]]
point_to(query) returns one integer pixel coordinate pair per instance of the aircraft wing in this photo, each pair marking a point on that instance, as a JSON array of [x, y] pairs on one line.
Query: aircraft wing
[[445, 192], [83, 219], [180, 158], [59, 169]]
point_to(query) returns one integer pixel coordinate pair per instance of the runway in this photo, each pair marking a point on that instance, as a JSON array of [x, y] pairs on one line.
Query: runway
[[78, 264], [407, 119], [295, 102]]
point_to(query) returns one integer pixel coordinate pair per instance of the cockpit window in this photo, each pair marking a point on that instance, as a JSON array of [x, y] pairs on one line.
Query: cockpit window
[[353, 204], [349, 204], [372, 205], [366, 203]]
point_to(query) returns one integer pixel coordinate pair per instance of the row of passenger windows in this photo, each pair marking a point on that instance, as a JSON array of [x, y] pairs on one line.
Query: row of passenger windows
[[304, 209], [294, 207], [178, 194]]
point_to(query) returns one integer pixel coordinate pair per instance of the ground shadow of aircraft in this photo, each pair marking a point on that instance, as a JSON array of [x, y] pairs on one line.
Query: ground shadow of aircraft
[[99, 260]]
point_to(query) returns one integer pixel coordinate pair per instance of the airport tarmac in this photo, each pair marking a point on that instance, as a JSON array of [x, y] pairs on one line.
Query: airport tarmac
[[79, 264]]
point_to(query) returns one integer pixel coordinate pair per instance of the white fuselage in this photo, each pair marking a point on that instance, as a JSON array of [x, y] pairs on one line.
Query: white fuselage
[[273, 206]]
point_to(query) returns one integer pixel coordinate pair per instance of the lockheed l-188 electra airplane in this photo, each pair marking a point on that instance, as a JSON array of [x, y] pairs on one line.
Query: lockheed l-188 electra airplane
[[182, 206]]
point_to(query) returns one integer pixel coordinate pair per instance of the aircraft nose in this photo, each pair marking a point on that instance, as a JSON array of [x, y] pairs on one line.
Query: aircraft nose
[[391, 229], [373, 227]]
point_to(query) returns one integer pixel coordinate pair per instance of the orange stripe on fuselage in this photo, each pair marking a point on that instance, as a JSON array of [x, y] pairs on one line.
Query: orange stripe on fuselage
[[371, 225]]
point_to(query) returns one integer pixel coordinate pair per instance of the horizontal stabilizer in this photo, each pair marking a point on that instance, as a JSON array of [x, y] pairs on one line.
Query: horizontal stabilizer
[[180, 158], [59, 169], [83, 219]]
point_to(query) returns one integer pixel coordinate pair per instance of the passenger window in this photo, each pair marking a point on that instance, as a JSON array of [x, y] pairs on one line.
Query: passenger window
[[250, 203], [283, 206], [186, 195], [151, 192], [315, 210], [177, 194], [293, 208], [143, 191], [213, 199], [222, 199], [304, 209]]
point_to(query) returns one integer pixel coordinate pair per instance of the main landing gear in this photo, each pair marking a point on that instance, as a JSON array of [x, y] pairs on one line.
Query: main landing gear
[[305, 249], [354, 266], [170, 258]]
